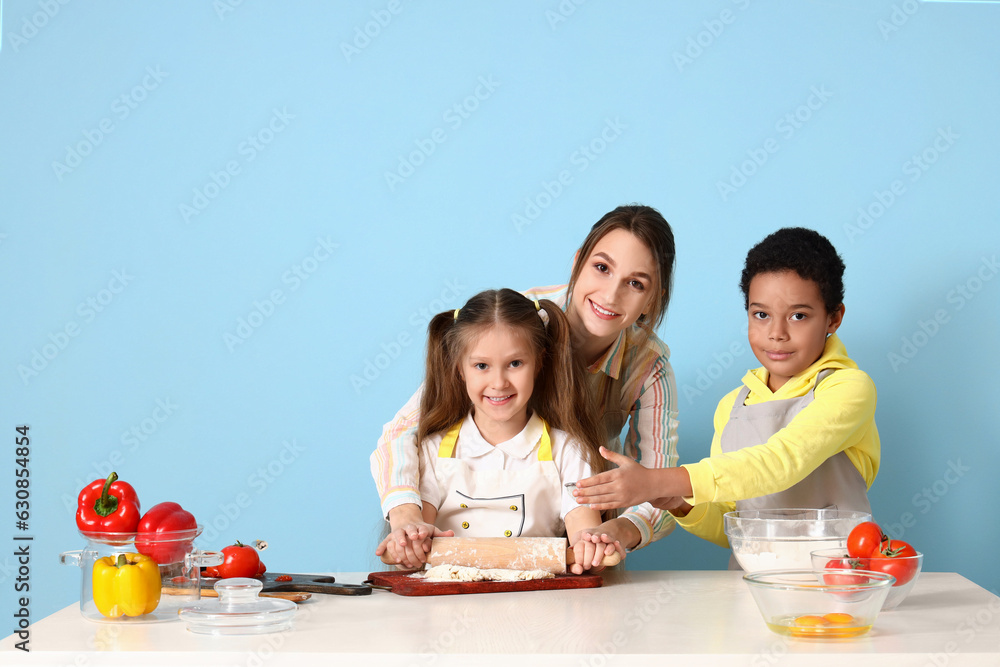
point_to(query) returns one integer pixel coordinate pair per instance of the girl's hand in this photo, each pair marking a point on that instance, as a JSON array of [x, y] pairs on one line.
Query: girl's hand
[[627, 485], [409, 544], [590, 548]]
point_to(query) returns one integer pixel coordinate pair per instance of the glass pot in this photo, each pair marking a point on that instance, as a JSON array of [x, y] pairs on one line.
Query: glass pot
[[176, 559]]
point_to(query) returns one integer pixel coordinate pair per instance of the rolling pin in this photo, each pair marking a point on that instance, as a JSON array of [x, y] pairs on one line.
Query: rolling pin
[[550, 554]]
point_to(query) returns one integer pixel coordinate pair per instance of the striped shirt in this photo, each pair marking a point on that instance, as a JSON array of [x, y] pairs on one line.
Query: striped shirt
[[634, 383]]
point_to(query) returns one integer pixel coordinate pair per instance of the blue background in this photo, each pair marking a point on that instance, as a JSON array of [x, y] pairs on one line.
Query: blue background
[[173, 176]]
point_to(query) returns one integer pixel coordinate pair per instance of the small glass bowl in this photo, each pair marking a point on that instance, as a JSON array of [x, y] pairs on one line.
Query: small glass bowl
[[822, 558], [782, 539], [801, 604]]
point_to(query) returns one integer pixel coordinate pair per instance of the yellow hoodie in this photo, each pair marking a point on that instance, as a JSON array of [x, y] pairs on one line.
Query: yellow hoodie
[[840, 418]]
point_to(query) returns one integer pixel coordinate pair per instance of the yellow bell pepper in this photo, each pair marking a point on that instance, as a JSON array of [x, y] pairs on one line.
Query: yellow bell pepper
[[128, 585]]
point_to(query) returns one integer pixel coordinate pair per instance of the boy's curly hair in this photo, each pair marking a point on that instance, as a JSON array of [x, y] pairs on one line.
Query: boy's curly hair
[[804, 251]]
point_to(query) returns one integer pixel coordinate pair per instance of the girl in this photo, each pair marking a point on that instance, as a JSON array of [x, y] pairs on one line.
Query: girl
[[505, 423], [617, 295]]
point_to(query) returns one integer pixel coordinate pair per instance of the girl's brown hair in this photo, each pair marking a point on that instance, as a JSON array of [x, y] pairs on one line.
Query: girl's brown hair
[[647, 225], [561, 393]]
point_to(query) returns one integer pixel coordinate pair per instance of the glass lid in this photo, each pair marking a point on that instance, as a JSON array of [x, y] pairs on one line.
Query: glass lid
[[238, 610]]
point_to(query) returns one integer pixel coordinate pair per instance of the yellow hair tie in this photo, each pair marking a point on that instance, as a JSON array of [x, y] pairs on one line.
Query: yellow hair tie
[[455, 317], [538, 306]]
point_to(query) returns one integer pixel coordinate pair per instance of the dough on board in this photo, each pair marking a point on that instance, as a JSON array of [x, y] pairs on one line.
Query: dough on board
[[460, 573]]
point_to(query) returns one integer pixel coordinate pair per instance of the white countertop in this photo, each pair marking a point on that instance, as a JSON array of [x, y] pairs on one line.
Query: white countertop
[[637, 618]]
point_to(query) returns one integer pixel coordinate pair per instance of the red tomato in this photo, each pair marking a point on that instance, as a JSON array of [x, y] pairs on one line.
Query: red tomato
[[240, 561], [212, 572], [848, 564], [864, 540], [895, 557]]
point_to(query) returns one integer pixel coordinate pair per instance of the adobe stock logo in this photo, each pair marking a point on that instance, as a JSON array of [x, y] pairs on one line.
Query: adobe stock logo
[[958, 297], [704, 39], [121, 107], [788, 125], [364, 35], [31, 25], [455, 116], [915, 168], [265, 308], [87, 310], [585, 155], [248, 150], [374, 366]]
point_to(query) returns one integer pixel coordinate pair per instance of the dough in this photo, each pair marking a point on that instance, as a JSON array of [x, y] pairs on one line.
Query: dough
[[459, 573]]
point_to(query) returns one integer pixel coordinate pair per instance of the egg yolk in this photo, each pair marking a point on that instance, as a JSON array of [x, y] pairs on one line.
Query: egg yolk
[[838, 618], [810, 621]]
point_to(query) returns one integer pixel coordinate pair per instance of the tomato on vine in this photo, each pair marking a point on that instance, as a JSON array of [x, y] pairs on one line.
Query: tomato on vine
[[848, 564], [864, 540], [897, 558], [240, 561]]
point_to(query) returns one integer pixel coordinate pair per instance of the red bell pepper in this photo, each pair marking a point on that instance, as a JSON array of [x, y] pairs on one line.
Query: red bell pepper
[[166, 532], [108, 506]]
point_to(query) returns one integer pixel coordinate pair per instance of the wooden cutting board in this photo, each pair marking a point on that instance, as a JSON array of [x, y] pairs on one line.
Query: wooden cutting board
[[401, 583]]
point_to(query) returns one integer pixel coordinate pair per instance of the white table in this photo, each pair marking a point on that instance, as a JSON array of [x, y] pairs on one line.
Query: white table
[[637, 618]]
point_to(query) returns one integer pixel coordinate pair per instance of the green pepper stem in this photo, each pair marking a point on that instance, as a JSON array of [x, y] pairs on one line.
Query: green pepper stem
[[122, 561], [107, 503]]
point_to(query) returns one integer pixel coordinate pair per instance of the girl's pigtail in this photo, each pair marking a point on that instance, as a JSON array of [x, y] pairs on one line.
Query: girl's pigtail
[[442, 387]]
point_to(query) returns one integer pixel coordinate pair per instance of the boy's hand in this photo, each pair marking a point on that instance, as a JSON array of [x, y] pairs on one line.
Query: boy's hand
[[673, 504], [627, 485], [589, 550]]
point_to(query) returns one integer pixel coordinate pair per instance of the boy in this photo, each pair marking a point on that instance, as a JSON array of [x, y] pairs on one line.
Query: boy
[[799, 432]]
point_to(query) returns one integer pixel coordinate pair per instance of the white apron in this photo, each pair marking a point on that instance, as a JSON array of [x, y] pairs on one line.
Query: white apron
[[835, 484], [499, 503]]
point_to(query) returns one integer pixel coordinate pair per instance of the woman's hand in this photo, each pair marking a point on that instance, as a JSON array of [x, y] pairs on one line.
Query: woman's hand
[[410, 540], [590, 548], [409, 545]]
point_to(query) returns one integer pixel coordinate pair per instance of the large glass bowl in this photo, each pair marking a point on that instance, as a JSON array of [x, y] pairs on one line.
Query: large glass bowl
[[783, 539], [819, 604]]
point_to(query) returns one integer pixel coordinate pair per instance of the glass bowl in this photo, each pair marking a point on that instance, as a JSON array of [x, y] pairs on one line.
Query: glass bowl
[[178, 562], [824, 558], [783, 539], [819, 604]]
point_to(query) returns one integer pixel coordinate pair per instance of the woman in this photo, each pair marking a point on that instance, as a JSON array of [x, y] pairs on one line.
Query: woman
[[617, 295]]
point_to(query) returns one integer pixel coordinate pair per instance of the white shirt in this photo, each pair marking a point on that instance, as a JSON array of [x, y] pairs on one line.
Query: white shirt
[[518, 453]]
